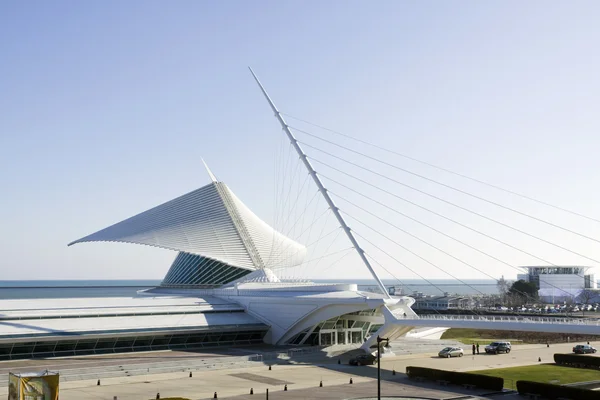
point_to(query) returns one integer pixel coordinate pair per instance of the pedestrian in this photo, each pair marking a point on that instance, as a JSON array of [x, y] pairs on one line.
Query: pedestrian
[[477, 348], [473, 348]]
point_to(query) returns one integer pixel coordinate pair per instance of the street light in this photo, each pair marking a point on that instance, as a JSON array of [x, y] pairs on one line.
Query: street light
[[379, 340]]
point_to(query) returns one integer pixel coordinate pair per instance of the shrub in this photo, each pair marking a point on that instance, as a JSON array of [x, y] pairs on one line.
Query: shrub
[[420, 372], [550, 391], [459, 378], [577, 360]]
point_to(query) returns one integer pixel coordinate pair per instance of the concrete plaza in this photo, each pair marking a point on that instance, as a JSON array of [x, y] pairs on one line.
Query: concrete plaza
[[301, 377]]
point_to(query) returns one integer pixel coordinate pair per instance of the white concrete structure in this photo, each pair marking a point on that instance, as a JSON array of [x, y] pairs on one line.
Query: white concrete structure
[[286, 312], [221, 290], [78, 326]]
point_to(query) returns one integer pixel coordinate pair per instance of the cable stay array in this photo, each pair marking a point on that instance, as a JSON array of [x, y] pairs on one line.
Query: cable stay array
[[302, 214], [452, 204], [446, 170], [437, 183]]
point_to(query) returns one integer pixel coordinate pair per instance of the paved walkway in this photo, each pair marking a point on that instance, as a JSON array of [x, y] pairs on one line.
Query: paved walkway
[[302, 382], [300, 378], [364, 390]]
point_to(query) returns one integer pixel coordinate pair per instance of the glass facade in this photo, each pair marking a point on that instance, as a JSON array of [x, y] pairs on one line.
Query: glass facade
[[338, 330], [194, 271], [109, 345], [556, 270]]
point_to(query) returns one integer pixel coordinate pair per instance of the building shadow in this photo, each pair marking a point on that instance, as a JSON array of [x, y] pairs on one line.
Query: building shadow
[[400, 378]]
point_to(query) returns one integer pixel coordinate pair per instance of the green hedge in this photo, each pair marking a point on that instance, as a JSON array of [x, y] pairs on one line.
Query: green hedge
[[459, 378], [577, 360], [550, 391]]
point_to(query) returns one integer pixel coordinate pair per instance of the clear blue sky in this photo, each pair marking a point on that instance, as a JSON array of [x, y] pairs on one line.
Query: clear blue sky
[[106, 108]]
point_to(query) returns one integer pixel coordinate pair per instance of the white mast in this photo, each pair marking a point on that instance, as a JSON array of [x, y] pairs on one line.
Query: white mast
[[322, 189], [210, 174]]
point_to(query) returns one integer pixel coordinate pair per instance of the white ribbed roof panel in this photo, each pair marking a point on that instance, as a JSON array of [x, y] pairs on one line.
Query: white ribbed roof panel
[[275, 249], [196, 223], [210, 222]]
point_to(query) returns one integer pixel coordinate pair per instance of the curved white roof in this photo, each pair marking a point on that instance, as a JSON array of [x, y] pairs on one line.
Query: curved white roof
[[211, 222]]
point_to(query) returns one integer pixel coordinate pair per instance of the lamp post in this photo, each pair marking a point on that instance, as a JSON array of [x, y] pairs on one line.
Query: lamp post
[[379, 340]]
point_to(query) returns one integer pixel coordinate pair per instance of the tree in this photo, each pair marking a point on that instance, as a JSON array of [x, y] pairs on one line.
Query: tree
[[490, 301], [503, 287], [586, 296], [512, 300], [525, 291]]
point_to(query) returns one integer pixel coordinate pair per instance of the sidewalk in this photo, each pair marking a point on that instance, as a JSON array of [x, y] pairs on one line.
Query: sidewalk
[[302, 374]]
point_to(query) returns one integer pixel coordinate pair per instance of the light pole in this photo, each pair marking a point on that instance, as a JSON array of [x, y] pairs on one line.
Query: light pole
[[379, 340]]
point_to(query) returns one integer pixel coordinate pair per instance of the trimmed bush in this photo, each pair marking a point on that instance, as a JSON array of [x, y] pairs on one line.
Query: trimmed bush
[[458, 378], [577, 360], [420, 372], [550, 391]]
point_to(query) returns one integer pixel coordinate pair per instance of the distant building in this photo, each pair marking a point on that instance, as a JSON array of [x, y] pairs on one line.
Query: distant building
[[442, 303], [395, 291], [560, 283]]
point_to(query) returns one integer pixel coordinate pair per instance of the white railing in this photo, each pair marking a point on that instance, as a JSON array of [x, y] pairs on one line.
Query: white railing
[[489, 318]]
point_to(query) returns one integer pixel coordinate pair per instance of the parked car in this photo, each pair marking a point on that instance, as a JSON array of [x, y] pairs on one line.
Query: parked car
[[498, 347], [583, 349], [363, 359], [448, 352]]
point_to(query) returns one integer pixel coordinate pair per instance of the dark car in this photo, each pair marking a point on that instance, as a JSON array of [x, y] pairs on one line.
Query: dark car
[[363, 359], [583, 349], [498, 347]]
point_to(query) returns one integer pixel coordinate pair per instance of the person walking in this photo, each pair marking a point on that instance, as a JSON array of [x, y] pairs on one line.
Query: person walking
[[473, 348], [477, 348]]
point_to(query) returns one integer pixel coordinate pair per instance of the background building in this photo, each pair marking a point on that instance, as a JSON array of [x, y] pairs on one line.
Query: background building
[[560, 283], [443, 303]]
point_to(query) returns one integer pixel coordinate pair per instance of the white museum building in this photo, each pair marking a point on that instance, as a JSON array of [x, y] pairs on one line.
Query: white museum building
[[219, 291]]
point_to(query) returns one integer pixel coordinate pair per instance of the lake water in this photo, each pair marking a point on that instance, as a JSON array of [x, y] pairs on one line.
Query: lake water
[[40, 289]]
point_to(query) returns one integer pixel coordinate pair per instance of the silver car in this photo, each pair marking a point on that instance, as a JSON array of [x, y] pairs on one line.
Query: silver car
[[451, 352]]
